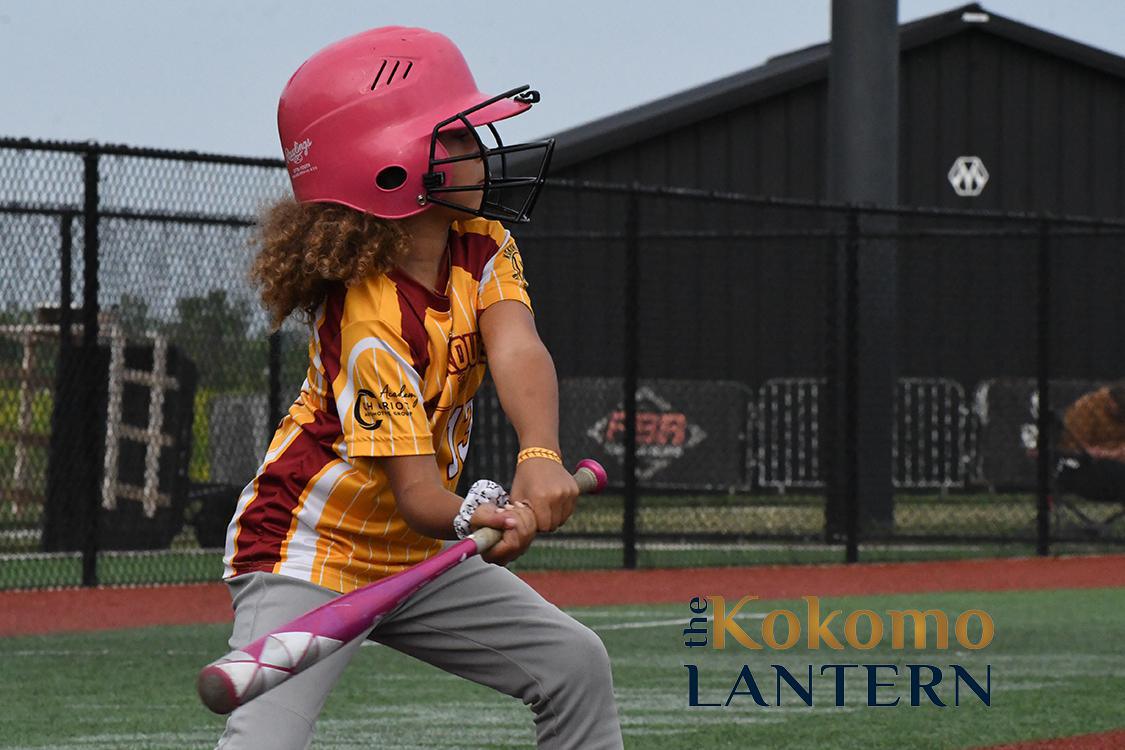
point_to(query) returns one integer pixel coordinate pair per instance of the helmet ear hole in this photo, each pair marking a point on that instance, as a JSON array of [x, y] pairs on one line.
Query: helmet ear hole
[[390, 178]]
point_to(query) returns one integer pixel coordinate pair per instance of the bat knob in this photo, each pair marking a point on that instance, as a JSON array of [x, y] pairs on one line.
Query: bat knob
[[598, 471]]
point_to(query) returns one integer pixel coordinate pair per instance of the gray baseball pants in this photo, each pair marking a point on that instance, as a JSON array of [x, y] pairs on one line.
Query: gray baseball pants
[[478, 621]]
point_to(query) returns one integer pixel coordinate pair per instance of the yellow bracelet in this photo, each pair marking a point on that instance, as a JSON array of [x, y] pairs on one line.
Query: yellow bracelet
[[547, 453]]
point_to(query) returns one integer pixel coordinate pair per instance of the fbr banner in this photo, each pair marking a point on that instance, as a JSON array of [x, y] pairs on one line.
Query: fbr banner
[[691, 434]]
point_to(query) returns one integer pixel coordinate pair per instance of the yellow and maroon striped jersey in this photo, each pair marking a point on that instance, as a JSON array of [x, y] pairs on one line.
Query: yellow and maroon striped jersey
[[392, 372]]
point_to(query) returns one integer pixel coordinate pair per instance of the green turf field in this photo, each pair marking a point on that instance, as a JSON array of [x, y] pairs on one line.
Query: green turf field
[[1058, 668]]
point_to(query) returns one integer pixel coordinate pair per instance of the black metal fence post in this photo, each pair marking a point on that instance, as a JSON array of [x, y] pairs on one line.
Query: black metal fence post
[[841, 450], [274, 398], [66, 285], [851, 389], [1043, 375], [90, 426], [632, 365], [63, 507]]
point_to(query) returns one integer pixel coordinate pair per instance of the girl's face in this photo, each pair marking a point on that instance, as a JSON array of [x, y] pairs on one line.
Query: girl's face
[[468, 172]]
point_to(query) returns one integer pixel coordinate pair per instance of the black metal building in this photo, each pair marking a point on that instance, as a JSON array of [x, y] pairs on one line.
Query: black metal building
[[1042, 112], [980, 94]]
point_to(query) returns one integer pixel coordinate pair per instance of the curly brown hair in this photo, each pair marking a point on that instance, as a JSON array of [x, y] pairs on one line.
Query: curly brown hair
[[303, 248]]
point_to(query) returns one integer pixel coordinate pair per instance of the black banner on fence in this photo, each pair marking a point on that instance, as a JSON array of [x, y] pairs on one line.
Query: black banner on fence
[[138, 465], [691, 435]]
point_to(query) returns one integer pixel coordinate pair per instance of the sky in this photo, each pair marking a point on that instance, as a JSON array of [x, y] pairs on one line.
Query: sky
[[205, 75]]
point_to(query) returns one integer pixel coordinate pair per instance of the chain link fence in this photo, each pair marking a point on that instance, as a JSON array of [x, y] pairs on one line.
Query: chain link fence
[[703, 343]]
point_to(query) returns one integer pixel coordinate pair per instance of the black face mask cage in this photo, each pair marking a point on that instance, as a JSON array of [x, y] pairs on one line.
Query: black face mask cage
[[499, 189]]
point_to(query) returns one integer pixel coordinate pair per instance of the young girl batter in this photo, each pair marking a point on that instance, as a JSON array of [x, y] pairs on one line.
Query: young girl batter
[[394, 250]]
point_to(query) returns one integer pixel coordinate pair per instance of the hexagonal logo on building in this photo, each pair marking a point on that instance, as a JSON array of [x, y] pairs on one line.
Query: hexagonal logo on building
[[968, 176]]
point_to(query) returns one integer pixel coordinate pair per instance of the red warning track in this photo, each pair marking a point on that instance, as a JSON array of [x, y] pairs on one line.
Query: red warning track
[[792, 581], [1101, 741], [34, 612]]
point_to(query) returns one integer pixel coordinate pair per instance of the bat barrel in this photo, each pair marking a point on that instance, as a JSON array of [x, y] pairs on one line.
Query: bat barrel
[[243, 675]]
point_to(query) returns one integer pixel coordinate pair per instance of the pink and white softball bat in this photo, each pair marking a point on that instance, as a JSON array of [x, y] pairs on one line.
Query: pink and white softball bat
[[246, 673]]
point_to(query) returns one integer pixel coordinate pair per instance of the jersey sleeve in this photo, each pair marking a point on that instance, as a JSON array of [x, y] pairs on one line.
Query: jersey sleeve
[[503, 278], [379, 393]]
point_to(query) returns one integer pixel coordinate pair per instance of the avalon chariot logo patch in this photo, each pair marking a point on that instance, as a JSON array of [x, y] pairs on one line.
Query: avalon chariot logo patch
[[366, 406]]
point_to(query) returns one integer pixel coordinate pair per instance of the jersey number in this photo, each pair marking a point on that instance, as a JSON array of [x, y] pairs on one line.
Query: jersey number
[[458, 450]]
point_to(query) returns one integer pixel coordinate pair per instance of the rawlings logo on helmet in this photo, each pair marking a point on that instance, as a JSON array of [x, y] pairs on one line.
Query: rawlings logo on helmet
[[298, 151]]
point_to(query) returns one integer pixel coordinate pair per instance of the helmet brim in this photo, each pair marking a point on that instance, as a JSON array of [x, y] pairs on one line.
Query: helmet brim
[[498, 110]]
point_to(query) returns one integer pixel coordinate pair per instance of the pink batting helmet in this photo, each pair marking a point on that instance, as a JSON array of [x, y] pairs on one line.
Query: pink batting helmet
[[359, 122]]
